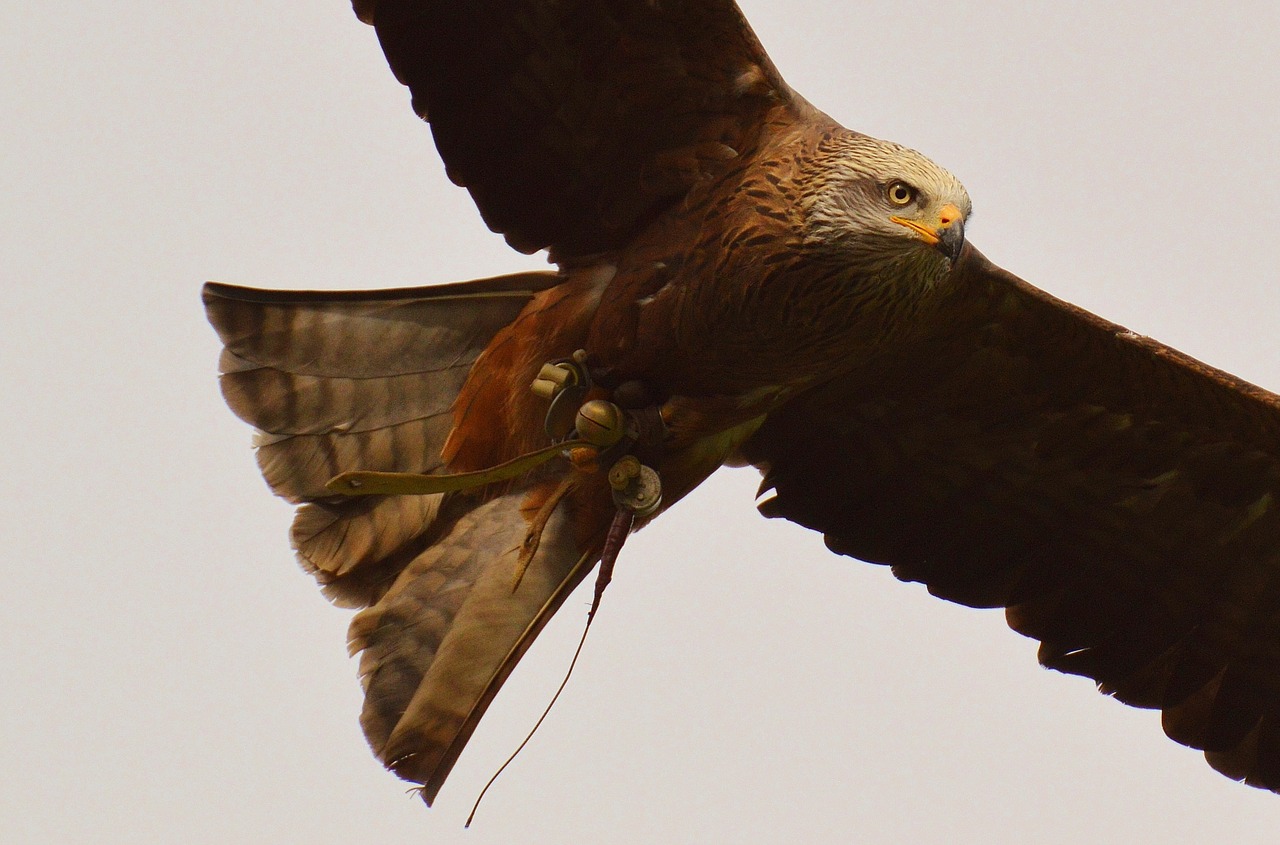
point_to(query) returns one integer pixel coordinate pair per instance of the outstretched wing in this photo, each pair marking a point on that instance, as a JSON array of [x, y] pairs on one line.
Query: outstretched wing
[[573, 123], [1120, 499]]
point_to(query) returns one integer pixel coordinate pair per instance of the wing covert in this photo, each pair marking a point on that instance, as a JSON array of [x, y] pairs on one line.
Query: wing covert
[[572, 123]]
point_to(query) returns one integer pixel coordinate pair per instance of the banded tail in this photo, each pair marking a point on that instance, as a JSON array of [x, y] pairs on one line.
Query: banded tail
[[342, 381]]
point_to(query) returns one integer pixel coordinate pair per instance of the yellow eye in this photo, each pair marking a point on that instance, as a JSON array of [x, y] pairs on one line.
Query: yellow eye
[[900, 193]]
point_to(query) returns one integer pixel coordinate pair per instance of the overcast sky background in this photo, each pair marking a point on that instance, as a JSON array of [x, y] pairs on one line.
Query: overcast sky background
[[167, 674]]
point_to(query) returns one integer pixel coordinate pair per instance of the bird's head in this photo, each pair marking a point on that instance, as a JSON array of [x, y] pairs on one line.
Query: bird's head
[[886, 209]]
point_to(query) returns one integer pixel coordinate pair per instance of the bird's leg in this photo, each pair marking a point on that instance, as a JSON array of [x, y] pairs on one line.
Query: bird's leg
[[614, 433], [619, 530], [637, 491]]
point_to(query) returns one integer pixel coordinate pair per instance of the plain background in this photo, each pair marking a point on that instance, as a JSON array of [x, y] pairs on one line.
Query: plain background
[[167, 674]]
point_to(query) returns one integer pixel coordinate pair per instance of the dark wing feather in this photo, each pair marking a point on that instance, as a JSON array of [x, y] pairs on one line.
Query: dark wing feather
[[1120, 499], [337, 380], [572, 123]]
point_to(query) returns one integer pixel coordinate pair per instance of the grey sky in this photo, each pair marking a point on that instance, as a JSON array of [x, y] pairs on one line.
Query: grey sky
[[169, 675]]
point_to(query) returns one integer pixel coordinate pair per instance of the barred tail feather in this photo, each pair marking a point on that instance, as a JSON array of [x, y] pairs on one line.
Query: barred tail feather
[[439, 644], [344, 381], [335, 381]]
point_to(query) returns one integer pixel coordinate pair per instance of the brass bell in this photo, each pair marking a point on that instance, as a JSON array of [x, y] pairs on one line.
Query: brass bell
[[600, 423]]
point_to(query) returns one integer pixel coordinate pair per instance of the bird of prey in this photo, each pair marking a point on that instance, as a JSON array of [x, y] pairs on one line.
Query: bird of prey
[[740, 280]]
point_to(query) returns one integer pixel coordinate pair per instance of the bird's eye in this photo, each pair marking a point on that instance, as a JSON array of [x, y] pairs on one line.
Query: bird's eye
[[900, 193]]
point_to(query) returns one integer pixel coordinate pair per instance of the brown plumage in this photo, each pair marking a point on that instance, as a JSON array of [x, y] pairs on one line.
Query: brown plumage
[[784, 292]]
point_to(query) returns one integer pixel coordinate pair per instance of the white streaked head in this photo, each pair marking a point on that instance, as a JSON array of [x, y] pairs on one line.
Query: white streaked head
[[884, 208]]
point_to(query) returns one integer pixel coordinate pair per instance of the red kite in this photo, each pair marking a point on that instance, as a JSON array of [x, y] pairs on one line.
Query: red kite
[[740, 279]]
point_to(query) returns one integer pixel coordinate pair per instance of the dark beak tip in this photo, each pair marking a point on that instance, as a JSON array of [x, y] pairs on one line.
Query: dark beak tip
[[951, 241]]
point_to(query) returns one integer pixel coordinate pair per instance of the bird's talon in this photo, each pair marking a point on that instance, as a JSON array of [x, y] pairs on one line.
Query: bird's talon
[[533, 538], [584, 458]]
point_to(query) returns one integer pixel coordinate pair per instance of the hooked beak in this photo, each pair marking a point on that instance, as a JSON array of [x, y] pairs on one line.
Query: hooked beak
[[947, 234]]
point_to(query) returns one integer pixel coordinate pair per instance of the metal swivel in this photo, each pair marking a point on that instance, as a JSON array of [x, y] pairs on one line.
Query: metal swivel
[[637, 488]]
